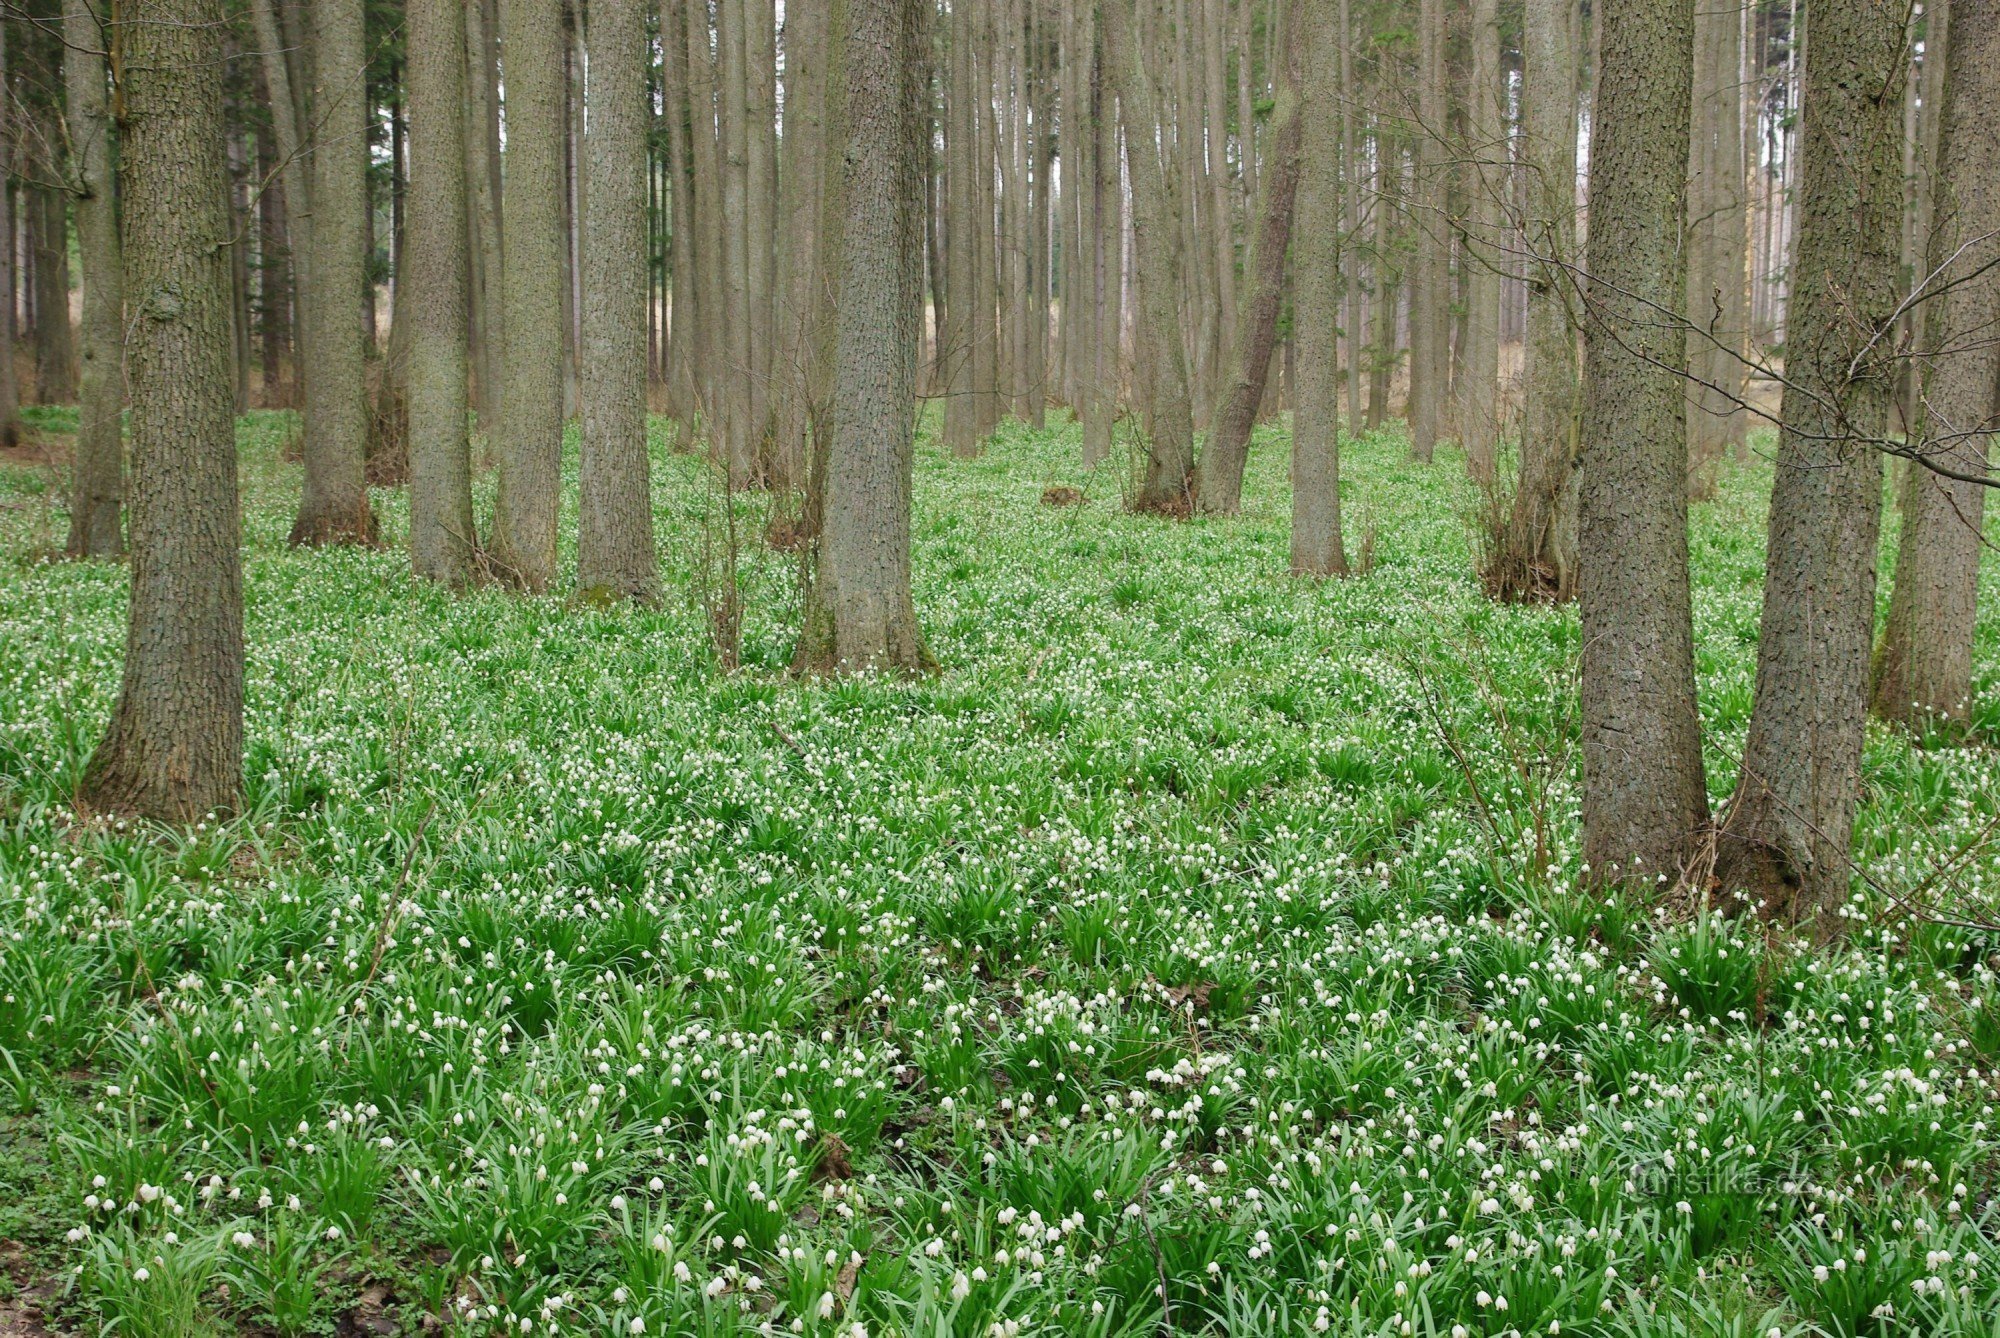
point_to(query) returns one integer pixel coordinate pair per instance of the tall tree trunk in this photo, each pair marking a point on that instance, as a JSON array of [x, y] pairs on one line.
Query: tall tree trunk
[[961, 414], [986, 399], [1218, 480], [760, 209], [1787, 833], [98, 483], [859, 612], [529, 449], [1430, 276], [433, 283], [1316, 296], [1484, 252], [10, 389], [482, 174], [174, 747], [294, 163], [803, 275], [1168, 471], [1715, 243], [1645, 803], [1350, 214], [737, 372], [1923, 665], [614, 544], [333, 508], [1386, 273], [683, 290], [1105, 207], [1538, 555], [1215, 109], [55, 342]]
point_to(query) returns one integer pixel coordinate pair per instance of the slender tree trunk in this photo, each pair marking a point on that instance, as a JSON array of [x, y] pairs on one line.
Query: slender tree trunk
[[760, 209], [333, 508], [1486, 183], [1350, 214], [529, 449], [1042, 159], [10, 389], [1218, 480], [1645, 802], [1923, 664], [1387, 275], [1538, 556], [711, 369], [1786, 837], [98, 484], [986, 397], [738, 449], [961, 413], [802, 289], [1715, 247], [174, 747], [614, 545], [1105, 211], [1215, 108], [1430, 279], [683, 291], [1169, 419], [859, 612], [55, 342], [433, 283], [294, 172], [1316, 296], [482, 172]]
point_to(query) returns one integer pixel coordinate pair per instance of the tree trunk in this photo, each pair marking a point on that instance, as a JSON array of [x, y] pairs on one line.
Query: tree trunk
[[1484, 251], [1645, 803], [1218, 480], [55, 342], [1430, 300], [961, 413], [738, 449], [802, 272], [1786, 837], [1538, 553], [482, 171], [98, 483], [1316, 296], [1105, 213], [614, 544], [1923, 666], [443, 546], [10, 389], [174, 748], [529, 450], [1715, 244], [1350, 214], [333, 508], [1167, 475], [859, 612], [683, 292]]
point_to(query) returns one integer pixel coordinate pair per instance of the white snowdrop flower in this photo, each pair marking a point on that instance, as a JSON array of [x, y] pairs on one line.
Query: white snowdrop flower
[[961, 1286], [243, 1240], [637, 1325], [141, 1275], [617, 1203]]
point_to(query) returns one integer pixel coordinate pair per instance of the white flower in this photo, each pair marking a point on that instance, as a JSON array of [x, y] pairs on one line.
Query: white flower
[[637, 1325]]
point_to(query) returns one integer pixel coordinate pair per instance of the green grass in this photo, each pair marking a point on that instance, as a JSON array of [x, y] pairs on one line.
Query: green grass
[[1162, 940]]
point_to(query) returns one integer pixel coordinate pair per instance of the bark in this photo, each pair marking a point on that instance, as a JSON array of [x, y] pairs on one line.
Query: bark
[[433, 283], [529, 449], [1215, 107], [761, 161], [1486, 183], [1645, 802], [1537, 558], [98, 484], [1923, 665], [1430, 302], [333, 506], [174, 747], [859, 612], [1167, 473], [1316, 270], [55, 341], [614, 545], [986, 399], [1218, 483], [1786, 837], [292, 181]]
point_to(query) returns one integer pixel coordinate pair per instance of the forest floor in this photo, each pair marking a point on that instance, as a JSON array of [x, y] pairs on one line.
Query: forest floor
[[1195, 931]]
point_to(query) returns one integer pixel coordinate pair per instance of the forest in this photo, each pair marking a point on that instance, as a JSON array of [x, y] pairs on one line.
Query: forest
[[912, 668]]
